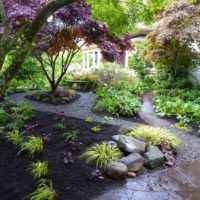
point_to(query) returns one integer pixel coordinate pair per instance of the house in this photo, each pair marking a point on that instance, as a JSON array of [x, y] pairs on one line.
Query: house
[[92, 54]]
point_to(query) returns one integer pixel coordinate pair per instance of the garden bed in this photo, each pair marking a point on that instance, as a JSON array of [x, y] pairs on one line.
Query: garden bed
[[48, 98], [70, 181]]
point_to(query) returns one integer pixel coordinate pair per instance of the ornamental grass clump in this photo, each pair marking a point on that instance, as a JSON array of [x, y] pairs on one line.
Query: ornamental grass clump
[[14, 136], [101, 154], [44, 191], [154, 135], [38, 169], [33, 145]]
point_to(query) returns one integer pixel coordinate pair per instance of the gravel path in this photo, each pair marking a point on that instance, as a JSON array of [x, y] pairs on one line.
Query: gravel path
[[82, 108]]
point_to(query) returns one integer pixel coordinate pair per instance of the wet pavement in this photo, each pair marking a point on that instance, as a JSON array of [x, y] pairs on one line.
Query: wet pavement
[[147, 113], [177, 183]]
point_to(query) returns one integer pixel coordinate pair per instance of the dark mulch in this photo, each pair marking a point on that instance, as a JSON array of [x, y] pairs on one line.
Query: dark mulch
[[71, 182]]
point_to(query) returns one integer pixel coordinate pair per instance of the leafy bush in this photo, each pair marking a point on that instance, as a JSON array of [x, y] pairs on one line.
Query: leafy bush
[[4, 116], [32, 144], [38, 169], [101, 154], [154, 136], [44, 191], [110, 72], [117, 102]]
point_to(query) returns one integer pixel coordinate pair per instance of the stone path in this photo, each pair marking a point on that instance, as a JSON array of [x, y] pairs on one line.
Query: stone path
[[178, 183]]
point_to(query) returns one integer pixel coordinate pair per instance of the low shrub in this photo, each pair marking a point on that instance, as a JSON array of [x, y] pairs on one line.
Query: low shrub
[[110, 72], [117, 102], [101, 154], [154, 136]]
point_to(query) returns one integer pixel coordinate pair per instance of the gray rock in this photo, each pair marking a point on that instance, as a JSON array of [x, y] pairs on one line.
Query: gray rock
[[116, 170], [125, 129], [112, 143], [116, 137], [154, 157], [131, 145], [133, 161]]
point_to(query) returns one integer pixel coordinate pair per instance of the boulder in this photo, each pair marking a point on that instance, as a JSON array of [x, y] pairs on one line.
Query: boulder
[[131, 145], [125, 129], [116, 170], [154, 157], [112, 143], [116, 137], [133, 161]]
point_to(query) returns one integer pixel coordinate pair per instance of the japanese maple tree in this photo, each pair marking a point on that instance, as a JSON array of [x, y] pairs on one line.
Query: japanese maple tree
[[171, 45], [20, 21], [69, 29]]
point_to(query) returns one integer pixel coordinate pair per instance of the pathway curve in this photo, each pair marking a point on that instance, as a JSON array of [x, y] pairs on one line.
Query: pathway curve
[[82, 108], [148, 114], [178, 183]]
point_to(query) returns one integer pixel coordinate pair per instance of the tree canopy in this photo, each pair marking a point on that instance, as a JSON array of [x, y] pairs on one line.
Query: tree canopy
[[122, 16]]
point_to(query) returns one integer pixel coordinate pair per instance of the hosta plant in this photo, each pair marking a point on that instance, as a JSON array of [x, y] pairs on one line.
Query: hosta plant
[[14, 136], [32, 144], [101, 154], [154, 135], [38, 169], [44, 191]]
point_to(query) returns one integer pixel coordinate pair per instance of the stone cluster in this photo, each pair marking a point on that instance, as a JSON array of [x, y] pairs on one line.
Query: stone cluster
[[138, 154]]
